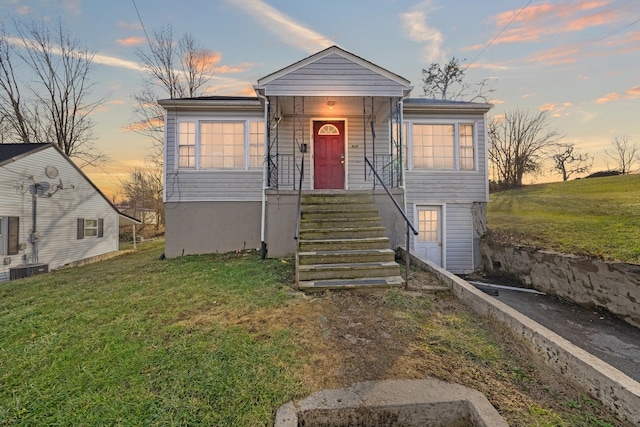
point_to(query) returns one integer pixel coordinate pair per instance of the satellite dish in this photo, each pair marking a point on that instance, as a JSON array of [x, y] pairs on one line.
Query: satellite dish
[[51, 172]]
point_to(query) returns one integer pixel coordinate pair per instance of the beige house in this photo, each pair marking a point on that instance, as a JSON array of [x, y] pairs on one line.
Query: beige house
[[325, 125]]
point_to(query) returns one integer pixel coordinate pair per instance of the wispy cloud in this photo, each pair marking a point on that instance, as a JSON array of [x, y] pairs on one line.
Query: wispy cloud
[[113, 61], [24, 10], [131, 41], [556, 110], [634, 92], [608, 98], [129, 25], [539, 21], [283, 26], [418, 30]]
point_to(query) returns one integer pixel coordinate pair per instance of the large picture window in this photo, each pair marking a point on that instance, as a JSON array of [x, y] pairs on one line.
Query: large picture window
[[220, 144], [443, 146]]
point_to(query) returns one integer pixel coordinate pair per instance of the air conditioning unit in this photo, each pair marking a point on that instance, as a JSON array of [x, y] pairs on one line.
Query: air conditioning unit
[[27, 271]]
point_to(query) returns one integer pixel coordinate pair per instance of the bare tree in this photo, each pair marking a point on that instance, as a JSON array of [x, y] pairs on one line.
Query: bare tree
[[569, 162], [45, 87], [172, 70], [447, 82], [625, 153], [518, 143], [142, 192]]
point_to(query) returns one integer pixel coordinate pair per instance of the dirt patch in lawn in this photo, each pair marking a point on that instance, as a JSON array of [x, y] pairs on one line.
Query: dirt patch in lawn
[[352, 336]]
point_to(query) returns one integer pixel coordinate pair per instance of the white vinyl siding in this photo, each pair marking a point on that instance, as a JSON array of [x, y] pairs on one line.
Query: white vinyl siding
[[56, 215], [335, 75]]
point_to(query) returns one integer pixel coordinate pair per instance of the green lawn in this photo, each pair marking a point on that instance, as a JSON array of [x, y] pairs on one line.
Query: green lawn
[[596, 216], [115, 343], [223, 340]]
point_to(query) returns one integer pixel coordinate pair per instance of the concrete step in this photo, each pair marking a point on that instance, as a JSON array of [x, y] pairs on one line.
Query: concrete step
[[340, 197], [343, 244], [322, 223], [347, 271], [342, 233], [341, 213], [346, 256], [363, 283], [345, 208]]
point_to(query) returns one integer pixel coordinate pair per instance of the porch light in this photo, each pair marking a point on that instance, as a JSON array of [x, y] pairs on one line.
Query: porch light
[[331, 104]]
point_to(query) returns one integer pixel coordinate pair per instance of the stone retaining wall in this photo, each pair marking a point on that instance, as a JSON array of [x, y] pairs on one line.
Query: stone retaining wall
[[585, 281], [605, 383]]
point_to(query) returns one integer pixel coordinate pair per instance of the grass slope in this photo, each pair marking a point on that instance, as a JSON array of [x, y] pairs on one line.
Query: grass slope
[[120, 343], [597, 216], [223, 340]]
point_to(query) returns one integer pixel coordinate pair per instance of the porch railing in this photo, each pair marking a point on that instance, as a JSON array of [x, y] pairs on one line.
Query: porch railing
[[410, 226], [298, 213]]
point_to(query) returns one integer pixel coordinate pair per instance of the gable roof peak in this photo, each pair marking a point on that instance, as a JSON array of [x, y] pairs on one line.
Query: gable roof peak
[[334, 49]]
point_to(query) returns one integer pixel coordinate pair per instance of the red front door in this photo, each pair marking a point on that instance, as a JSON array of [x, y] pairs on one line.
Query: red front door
[[328, 155]]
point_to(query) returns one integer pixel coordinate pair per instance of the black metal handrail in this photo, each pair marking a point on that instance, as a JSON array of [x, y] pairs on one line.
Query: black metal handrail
[[409, 225], [297, 232], [392, 199]]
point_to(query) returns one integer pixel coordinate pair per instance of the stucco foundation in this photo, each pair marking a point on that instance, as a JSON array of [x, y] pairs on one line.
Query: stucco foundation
[[210, 227]]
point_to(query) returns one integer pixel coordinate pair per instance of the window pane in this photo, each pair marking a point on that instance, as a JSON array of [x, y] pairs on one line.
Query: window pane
[[467, 155], [428, 225], [222, 145], [186, 144], [433, 146], [256, 144]]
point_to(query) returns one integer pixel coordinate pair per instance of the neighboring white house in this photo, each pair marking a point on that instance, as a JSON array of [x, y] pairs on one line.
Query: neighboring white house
[[233, 164], [51, 214]]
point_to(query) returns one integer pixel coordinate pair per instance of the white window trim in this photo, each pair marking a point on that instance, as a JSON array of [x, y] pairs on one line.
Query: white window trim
[[197, 121], [456, 144]]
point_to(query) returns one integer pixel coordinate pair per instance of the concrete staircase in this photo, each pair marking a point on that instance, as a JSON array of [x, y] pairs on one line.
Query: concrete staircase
[[342, 243]]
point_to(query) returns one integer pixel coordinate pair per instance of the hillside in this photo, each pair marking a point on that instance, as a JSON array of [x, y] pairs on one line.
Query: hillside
[[597, 216]]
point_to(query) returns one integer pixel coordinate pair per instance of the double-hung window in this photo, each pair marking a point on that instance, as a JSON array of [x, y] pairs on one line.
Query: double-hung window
[[187, 145], [9, 235], [443, 146], [220, 144], [90, 227]]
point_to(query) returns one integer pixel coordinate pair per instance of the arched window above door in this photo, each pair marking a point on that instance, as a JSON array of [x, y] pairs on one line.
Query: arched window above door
[[328, 129]]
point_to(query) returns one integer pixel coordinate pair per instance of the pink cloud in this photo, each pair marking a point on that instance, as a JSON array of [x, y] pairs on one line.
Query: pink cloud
[[228, 69], [608, 98], [634, 92], [129, 25], [131, 41], [556, 55], [541, 20]]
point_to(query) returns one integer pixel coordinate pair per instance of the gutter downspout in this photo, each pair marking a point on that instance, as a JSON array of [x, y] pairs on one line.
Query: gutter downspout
[[263, 244], [403, 167]]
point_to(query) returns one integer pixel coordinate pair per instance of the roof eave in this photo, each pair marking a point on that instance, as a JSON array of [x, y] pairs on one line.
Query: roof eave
[[210, 104], [470, 107]]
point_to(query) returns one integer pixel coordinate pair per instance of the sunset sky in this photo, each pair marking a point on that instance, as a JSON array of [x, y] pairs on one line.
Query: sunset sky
[[579, 59]]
